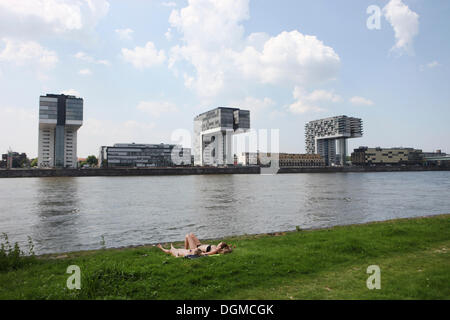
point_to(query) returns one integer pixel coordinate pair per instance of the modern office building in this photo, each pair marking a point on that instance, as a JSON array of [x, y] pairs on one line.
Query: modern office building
[[328, 137], [438, 158], [248, 159], [300, 160], [213, 135], [144, 155], [285, 160], [437, 154], [13, 160], [60, 117], [387, 156]]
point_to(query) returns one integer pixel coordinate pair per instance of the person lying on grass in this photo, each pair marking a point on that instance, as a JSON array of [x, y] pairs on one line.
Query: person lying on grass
[[193, 247]]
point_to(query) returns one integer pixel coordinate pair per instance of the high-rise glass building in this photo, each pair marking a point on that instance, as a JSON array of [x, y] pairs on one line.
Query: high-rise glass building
[[328, 137], [213, 134], [60, 117]]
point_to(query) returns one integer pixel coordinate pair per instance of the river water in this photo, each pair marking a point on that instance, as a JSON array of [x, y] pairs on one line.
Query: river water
[[76, 213]]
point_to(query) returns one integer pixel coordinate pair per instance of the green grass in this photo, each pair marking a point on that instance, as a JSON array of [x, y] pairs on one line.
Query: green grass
[[318, 264]]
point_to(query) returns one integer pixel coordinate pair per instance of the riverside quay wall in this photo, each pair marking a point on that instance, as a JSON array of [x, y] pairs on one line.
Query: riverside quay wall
[[23, 173], [360, 169], [94, 172]]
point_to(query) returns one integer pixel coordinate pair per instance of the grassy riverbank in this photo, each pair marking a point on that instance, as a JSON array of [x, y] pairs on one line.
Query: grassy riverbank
[[413, 255]]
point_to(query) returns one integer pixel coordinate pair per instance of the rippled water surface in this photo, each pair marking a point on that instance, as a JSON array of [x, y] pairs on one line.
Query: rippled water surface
[[66, 214]]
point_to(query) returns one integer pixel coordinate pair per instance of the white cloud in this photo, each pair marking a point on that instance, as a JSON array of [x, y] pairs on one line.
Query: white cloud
[[32, 18], [30, 53], [433, 64], [290, 57], [311, 102], [124, 34], [71, 92], [323, 95], [104, 62], [255, 105], [215, 45], [360, 101], [85, 72], [430, 65], [168, 34], [83, 56], [144, 57], [156, 108], [301, 106], [169, 4], [405, 23], [86, 58]]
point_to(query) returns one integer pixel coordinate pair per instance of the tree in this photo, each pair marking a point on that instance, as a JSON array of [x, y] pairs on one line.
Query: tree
[[34, 162], [92, 160]]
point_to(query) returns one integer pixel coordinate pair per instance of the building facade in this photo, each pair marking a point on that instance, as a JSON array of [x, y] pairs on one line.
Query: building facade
[[438, 158], [60, 117], [387, 156], [213, 135], [144, 155], [437, 154], [328, 137], [13, 160], [284, 159]]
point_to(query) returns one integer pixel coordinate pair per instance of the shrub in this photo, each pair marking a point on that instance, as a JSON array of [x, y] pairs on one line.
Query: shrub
[[11, 256]]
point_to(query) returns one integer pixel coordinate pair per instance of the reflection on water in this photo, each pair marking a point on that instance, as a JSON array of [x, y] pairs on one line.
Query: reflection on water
[[64, 214], [57, 204]]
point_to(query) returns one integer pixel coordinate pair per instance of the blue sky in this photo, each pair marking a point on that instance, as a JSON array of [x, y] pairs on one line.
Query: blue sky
[[146, 68]]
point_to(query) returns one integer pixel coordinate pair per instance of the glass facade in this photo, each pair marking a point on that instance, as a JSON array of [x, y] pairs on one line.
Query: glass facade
[[321, 136], [60, 116], [147, 155], [212, 138], [74, 109], [48, 109]]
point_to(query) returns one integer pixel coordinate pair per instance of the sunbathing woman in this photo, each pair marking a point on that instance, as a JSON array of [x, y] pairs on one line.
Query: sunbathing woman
[[193, 246]]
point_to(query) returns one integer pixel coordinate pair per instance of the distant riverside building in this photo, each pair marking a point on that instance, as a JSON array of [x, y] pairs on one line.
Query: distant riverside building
[[13, 160], [437, 154], [437, 158], [300, 160], [284, 159], [60, 117], [248, 159], [387, 156], [144, 155], [213, 135], [328, 137]]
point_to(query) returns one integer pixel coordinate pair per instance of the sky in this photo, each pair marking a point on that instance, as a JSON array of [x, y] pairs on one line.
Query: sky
[[145, 69]]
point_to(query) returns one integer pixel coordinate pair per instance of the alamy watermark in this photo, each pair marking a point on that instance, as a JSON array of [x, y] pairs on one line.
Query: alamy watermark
[[374, 280], [374, 20], [228, 148], [74, 281]]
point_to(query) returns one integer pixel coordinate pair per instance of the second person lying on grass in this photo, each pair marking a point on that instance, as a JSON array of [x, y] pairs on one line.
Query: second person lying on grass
[[193, 247]]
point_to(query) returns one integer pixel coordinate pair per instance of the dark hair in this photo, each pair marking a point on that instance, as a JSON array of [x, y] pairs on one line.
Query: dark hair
[[225, 248]]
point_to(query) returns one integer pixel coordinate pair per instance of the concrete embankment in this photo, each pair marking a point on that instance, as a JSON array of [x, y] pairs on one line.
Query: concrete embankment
[[24, 173], [360, 169]]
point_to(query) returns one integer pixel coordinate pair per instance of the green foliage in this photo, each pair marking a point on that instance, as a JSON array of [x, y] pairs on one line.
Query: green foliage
[[102, 242], [11, 256], [92, 160], [34, 162], [313, 264]]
